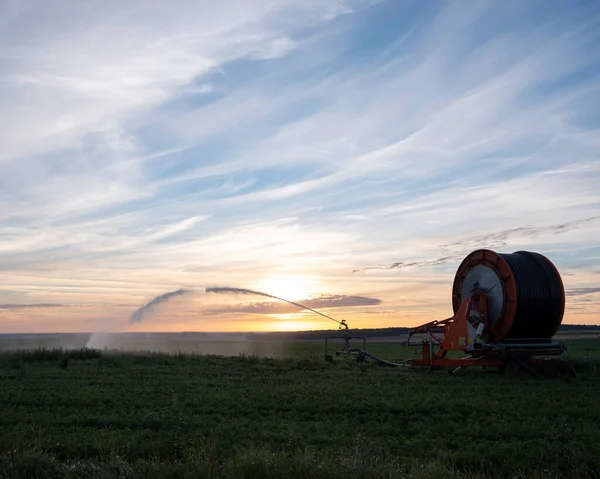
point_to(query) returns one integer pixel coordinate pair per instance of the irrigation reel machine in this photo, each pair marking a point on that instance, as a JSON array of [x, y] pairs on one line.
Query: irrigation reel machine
[[507, 309]]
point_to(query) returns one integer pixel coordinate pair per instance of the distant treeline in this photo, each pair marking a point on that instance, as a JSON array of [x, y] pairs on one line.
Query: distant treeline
[[378, 332]]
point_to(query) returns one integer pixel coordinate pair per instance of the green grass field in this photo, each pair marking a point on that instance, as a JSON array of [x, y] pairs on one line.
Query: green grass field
[[87, 413]]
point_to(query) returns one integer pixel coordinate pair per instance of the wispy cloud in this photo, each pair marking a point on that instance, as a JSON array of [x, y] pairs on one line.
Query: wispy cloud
[[32, 306], [145, 146], [503, 238], [495, 240], [268, 307], [411, 264], [582, 291]]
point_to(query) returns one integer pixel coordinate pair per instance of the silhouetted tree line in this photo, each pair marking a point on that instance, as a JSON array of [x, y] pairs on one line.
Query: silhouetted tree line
[[377, 332]]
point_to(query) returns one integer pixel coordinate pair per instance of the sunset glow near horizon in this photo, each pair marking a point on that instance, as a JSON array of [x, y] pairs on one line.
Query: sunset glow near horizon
[[343, 153]]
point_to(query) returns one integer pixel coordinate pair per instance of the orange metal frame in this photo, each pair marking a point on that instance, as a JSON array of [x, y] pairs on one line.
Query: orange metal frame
[[494, 261], [456, 337]]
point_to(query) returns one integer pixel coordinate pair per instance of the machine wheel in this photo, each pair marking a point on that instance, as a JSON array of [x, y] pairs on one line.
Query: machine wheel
[[329, 358], [514, 369], [557, 367], [360, 358]]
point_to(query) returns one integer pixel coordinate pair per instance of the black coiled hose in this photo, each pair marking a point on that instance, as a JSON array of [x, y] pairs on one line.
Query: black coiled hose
[[540, 296]]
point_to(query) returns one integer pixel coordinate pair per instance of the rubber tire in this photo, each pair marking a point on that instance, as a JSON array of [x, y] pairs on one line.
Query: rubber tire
[[557, 367], [514, 370]]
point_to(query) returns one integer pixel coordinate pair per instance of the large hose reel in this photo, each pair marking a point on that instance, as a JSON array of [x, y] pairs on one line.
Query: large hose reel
[[525, 293]]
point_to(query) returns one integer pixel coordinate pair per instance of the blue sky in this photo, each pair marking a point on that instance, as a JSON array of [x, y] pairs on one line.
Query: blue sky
[[151, 146]]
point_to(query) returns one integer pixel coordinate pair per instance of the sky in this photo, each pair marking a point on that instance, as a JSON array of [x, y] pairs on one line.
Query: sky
[[302, 148]]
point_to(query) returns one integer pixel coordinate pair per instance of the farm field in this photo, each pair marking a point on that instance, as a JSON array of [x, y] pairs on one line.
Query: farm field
[[91, 413]]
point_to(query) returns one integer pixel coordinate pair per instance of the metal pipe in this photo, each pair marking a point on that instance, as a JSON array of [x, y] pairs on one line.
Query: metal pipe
[[430, 351], [529, 346], [384, 361]]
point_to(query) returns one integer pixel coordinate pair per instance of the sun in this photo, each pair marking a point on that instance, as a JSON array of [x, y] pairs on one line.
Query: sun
[[291, 322], [292, 288]]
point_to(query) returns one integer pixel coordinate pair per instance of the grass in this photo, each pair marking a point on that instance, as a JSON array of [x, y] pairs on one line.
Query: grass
[[88, 413]]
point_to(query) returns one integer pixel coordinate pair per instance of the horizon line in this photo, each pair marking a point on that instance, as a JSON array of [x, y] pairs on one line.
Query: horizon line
[[245, 332]]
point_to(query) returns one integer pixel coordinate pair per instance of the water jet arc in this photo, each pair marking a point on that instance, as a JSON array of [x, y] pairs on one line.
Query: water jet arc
[[259, 293]]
